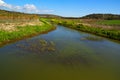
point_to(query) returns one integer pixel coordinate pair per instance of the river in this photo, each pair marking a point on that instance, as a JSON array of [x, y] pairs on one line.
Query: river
[[62, 54]]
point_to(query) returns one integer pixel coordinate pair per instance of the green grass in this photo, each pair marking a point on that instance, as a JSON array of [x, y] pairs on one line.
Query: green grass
[[110, 22], [23, 32], [113, 34]]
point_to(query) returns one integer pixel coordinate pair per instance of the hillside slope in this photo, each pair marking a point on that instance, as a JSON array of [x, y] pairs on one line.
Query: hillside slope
[[9, 20], [16, 16]]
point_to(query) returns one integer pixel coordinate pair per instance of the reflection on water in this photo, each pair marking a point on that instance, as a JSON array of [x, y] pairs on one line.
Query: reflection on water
[[63, 54]]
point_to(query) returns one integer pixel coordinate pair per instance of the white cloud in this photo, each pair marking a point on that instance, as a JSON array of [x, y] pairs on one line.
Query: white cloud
[[2, 2], [27, 8], [5, 5], [17, 8], [31, 8]]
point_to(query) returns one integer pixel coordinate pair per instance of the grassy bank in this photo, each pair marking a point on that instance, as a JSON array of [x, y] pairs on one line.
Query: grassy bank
[[23, 32], [112, 34]]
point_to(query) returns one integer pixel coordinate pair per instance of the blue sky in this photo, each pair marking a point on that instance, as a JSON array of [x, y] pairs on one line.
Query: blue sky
[[74, 8]]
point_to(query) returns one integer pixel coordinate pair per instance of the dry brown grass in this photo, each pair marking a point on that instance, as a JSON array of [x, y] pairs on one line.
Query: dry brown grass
[[13, 26], [93, 23]]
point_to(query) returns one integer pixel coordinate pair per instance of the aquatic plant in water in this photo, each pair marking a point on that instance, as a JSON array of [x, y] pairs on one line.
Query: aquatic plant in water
[[37, 46]]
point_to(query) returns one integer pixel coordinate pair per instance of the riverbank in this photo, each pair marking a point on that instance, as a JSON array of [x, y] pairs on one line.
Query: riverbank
[[101, 31], [20, 32]]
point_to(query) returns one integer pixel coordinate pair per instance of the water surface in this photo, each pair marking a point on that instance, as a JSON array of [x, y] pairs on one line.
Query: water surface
[[62, 54]]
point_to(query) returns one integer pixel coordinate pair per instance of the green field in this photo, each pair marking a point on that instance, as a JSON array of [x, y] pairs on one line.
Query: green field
[[110, 22]]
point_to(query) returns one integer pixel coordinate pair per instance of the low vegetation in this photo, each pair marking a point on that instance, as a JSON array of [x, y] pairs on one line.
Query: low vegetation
[[23, 32], [15, 26], [37, 46], [109, 33]]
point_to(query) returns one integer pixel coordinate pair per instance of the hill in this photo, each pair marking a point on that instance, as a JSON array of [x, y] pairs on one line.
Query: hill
[[90, 16], [9, 20], [49, 16], [17, 16], [102, 16], [10, 16]]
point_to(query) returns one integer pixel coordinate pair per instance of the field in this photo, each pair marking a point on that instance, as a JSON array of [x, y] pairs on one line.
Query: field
[[109, 22]]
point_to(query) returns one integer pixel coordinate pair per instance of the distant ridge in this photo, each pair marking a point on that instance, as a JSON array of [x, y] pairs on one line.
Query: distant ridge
[[49, 16], [90, 16], [4, 14], [102, 16]]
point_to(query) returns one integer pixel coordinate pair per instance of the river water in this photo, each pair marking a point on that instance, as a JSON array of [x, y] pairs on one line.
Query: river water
[[62, 54]]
